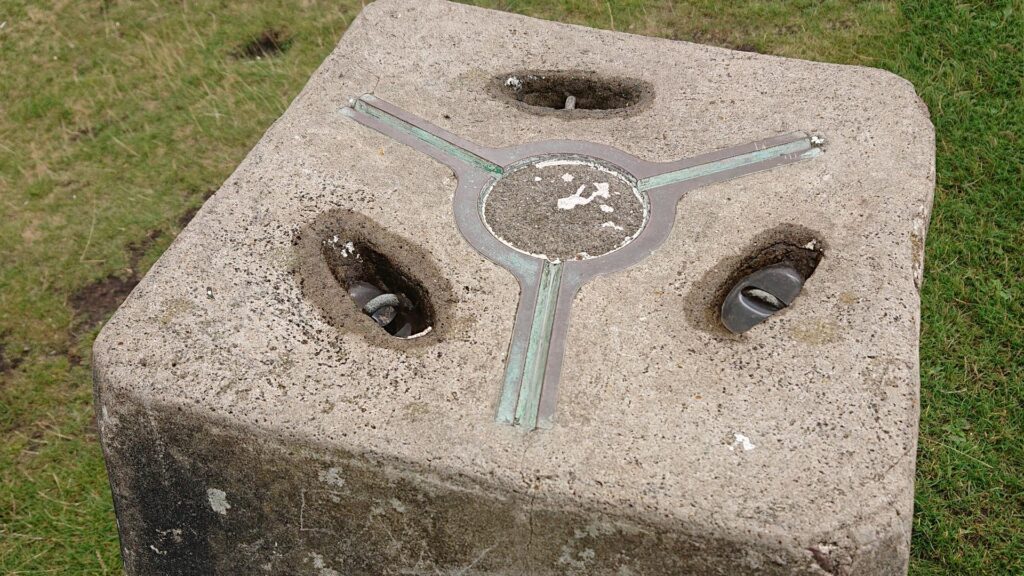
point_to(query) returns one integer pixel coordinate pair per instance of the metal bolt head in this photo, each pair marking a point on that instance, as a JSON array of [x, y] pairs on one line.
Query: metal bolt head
[[759, 295]]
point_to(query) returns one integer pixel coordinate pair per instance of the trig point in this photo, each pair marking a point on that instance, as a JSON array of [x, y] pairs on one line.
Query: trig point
[[499, 296]]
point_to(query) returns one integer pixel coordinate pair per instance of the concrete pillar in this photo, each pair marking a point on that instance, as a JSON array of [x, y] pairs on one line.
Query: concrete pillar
[[560, 213]]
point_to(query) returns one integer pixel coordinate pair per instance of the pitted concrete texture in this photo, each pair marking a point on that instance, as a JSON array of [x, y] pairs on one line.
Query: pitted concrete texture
[[251, 429]]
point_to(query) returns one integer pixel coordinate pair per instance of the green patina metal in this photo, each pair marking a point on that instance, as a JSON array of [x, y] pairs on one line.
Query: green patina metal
[[513, 379], [517, 351], [540, 343], [426, 137], [803, 147], [528, 392]]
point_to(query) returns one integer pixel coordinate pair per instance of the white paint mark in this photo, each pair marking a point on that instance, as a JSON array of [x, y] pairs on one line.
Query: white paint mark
[[577, 199], [514, 83], [817, 140], [742, 441], [175, 534], [611, 224], [567, 177], [566, 162], [811, 245], [332, 476], [318, 563], [157, 550], [537, 178], [348, 248], [557, 162], [571, 162], [607, 209], [578, 560], [425, 331], [218, 500]]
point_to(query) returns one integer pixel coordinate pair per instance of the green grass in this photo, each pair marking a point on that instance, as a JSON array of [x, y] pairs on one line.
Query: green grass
[[116, 118]]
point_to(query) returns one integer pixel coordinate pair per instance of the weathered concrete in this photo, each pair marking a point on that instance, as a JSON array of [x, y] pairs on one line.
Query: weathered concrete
[[251, 426]]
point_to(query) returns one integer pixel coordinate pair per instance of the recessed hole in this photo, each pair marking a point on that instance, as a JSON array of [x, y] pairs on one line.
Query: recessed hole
[[572, 93], [366, 274], [266, 44], [787, 244], [803, 254], [739, 315], [344, 260]]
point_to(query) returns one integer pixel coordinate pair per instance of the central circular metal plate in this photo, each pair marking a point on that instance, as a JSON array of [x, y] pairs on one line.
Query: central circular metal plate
[[564, 208]]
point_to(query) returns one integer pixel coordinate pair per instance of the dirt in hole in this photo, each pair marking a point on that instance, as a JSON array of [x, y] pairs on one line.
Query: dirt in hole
[[189, 214], [187, 217], [547, 92], [266, 44], [341, 247], [93, 303], [360, 263], [137, 250], [792, 244]]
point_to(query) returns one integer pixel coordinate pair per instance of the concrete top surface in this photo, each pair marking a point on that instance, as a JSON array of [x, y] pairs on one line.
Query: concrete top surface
[[799, 430]]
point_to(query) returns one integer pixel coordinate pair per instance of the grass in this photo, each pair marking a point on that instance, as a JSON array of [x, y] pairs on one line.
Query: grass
[[119, 118]]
